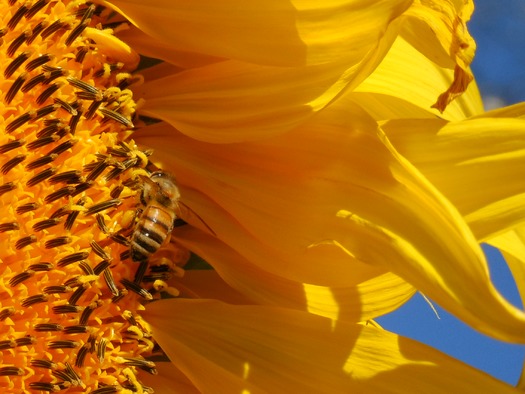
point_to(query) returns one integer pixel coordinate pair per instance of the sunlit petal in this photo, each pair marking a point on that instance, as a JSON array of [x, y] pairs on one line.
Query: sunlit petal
[[363, 301], [477, 164], [438, 30], [348, 195], [271, 32], [223, 349], [406, 84]]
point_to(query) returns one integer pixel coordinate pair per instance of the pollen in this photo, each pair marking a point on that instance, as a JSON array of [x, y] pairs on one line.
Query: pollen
[[69, 293]]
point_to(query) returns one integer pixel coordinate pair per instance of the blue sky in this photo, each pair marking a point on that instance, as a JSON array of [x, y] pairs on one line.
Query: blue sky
[[499, 67]]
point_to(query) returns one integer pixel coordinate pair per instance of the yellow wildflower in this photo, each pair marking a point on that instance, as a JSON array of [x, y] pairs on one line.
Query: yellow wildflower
[[307, 212]]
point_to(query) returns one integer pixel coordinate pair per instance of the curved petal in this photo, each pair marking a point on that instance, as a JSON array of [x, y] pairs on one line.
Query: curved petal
[[333, 197], [169, 380], [366, 300], [477, 164], [437, 28], [270, 32], [225, 349], [407, 83]]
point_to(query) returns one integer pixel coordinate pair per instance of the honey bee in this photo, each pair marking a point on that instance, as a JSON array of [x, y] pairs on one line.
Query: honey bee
[[160, 198]]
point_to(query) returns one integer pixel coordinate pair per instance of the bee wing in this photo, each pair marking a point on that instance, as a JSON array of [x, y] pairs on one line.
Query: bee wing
[[192, 212]]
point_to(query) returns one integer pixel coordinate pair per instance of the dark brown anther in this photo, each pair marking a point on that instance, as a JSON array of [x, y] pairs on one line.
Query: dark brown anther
[[41, 99], [63, 192], [81, 54], [48, 327], [41, 176], [103, 206], [81, 356], [97, 249], [102, 224], [106, 390], [44, 386], [35, 299], [22, 10], [59, 309], [63, 344], [68, 107], [9, 165], [100, 267], [63, 147], [42, 363], [58, 241], [92, 109], [110, 282], [108, 113], [84, 266], [95, 172], [77, 294], [76, 32], [68, 177], [42, 161], [21, 277], [6, 312], [17, 62], [7, 187], [58, 290], [42, 141], [15, 144], [101, 349], [39, 61], [53, 28], [35, 8], [20, 121], [47, 223], [11, 371], [37, 79], [31, 206], [70, 220], [48, 109], [17, 42], [141, 271], [73, 121], [135, 288], [72, 258], [11, 226], [25, 241], [36, 31], [41, 267]]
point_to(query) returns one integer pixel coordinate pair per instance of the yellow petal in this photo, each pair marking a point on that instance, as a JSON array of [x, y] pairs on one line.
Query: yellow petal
[[438, 30], [477, 164], [271, 32], [225, 349], [331, 200], [169, 380], [407, 83], [366, 300]]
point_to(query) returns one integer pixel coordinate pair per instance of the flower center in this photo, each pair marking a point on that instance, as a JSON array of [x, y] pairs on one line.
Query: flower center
[[69, 191]]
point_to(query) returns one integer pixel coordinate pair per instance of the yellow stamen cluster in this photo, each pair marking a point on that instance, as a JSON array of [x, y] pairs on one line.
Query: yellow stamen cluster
[[69, 292]]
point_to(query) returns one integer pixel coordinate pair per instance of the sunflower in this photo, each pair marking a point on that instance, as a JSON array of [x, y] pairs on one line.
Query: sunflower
[[315, 217]]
